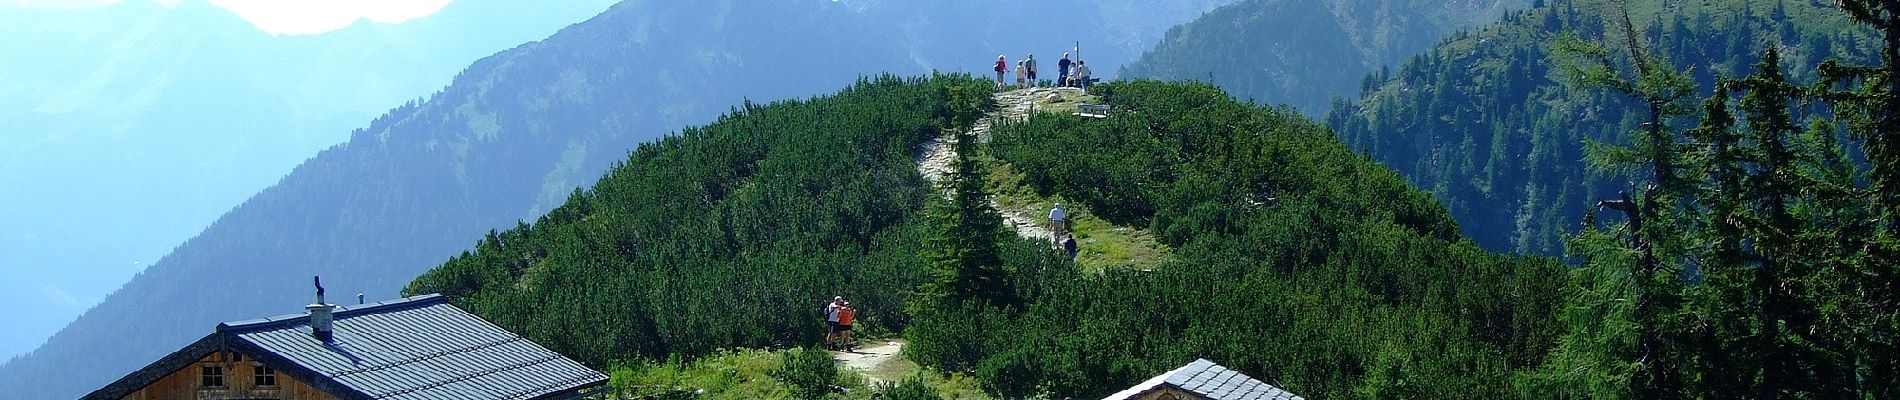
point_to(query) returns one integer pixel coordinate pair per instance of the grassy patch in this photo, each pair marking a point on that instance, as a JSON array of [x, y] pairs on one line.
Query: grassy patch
[[746, 374], [731, 374], [1099, 244], [1064, 103]]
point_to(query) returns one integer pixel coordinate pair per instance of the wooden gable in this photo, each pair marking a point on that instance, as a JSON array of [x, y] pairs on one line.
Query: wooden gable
[[239, 376]]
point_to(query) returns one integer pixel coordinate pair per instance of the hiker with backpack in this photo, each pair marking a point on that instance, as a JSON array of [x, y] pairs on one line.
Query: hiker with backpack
[[1000, 65], [831, 319]]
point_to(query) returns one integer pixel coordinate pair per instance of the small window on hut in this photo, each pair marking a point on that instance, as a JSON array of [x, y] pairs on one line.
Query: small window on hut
[[263, 375], [213, 376]]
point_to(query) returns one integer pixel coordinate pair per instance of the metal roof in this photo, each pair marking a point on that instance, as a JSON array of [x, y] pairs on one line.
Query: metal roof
[[1209, 380], [413, 348]]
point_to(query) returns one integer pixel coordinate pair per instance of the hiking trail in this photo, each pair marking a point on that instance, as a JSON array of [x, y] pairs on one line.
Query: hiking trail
[[933, 160], [877, 360]]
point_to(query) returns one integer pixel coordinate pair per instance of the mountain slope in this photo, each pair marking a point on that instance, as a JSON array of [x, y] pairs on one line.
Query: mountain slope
[[130, 127], [513, 136], [1298, 260], [1484, 122], [1303, 52]]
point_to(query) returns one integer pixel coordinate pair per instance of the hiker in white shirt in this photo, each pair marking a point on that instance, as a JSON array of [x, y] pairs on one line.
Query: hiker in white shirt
[[1058, 221]]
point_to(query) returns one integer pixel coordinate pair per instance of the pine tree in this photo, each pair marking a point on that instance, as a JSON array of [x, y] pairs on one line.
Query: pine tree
[[961, 252], [1865, 282]]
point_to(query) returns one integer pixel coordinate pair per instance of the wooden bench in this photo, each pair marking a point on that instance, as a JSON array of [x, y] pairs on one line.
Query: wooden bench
[[1092, 110]]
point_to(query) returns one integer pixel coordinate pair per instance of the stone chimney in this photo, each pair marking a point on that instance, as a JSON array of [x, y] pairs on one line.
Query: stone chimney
[[321, 322]]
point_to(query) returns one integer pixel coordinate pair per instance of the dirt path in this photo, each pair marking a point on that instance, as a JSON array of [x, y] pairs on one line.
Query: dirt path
[[877, 360], [934, 158]]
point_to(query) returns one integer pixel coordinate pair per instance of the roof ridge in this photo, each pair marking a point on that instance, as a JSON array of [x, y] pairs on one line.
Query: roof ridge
[[342, 311]]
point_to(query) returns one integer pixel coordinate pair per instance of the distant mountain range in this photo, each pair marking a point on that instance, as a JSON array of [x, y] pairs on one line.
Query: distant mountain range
[[1304, 53], [127, 128], [517, 132]]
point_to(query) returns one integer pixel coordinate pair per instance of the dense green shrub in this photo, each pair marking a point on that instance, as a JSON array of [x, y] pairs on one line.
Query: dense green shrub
[[734, 234], [910, 388], [810, 371]]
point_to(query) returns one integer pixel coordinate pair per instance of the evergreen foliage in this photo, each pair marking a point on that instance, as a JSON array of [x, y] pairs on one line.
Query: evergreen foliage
[[1297, 262], [1757, 272], [910, 388], [1486, 122], [730, 235], [809, 371]]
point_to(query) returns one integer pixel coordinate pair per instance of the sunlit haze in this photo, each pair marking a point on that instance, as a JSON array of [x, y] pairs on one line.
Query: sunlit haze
[[304, 17], [281, 17]]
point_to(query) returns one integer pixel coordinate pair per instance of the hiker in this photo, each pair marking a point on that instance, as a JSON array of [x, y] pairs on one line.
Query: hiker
[[831, 318], [846, 315], [1058, 221], [1000, 64], [1062, 70], [1081, 75], [1068, 245], [1020, 82], [1030, 64]]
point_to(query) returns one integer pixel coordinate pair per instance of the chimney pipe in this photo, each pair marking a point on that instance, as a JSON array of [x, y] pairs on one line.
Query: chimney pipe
[[320, 318], [359, 299]]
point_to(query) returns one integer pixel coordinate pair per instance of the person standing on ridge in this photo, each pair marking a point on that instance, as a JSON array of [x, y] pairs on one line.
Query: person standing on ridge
[[1058, 221], [1000, 65], [1062, 70], [1020, 82], [1081, 75], [1030, 64]]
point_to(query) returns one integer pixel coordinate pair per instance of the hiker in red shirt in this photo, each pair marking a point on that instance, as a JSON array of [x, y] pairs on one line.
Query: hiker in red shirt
[[1001, 66]]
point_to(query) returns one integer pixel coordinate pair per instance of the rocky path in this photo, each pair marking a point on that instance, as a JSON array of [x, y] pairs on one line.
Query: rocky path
[[874, 360], [934, 158]]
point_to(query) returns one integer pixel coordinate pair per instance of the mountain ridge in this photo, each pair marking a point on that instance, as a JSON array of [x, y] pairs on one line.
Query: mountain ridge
[[512, 135]]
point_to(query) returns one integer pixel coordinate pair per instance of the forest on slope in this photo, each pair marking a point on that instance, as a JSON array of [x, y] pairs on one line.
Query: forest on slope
[[1485, 122], [1304, 53], [1297, 261], [513, 135], [1758, 259]]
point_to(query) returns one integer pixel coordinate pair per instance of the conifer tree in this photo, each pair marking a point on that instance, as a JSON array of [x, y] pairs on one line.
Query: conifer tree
[[1653, 233], [961, 253]]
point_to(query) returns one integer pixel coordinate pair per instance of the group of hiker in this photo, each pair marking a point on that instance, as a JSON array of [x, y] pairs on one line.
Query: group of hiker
[[1059, 231], [1070, 74], [839, 314]]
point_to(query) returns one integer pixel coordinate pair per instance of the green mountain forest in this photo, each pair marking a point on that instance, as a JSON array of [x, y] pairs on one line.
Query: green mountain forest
[[1295, 256], [1486, 122], [1304, 53], [1751, 254], [1588, 199]]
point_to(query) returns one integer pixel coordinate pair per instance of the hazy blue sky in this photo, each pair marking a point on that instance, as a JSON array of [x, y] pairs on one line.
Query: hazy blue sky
[[127, 126]]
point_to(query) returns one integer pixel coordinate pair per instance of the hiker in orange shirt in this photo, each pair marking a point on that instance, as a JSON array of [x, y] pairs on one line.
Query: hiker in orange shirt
[[846, 314]]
